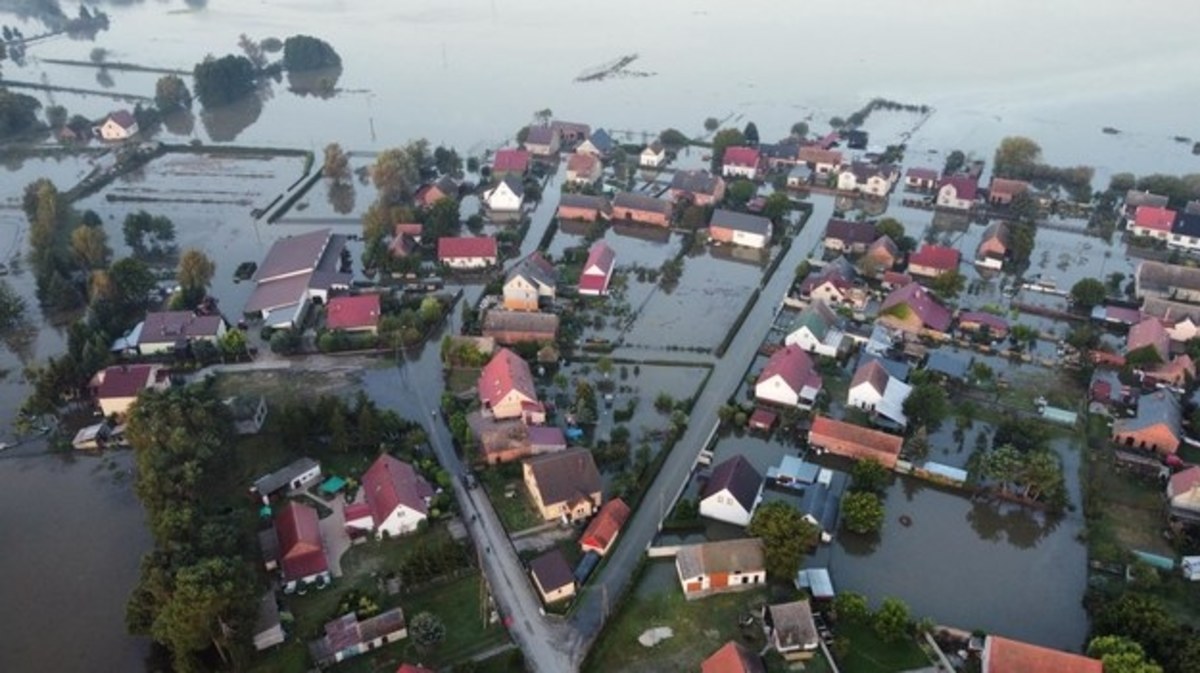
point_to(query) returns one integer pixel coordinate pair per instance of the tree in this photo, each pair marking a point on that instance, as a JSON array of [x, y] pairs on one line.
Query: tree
[[673, 138], [427, 630], [949, 284], [740, 192], [89, 245], [337, 163], [890, 227], [862, 512], [1113, 283], [851, 606], [171, 93], [148, 234], [1089, 292], [195, 274], [1024, 207], [446, 160], [12, 306], [1121, 655], [751, 134], [800, 129], [430, 310], [776, 207], [18, 113], [1120, 183], [221, 81], [869, 476], [664, 403], [302, 52], [723, 139], [56, 116], [443, 218], [397, 171], [786, 537], [1022, 335], [712, 124], [1015, 156], [926, 405], [891, 620], [605, 366], [132, 281], [954, 162]]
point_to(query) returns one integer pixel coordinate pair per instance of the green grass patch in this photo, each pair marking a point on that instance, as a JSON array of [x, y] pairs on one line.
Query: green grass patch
[[516, 512], [869, 654], [461, 380]]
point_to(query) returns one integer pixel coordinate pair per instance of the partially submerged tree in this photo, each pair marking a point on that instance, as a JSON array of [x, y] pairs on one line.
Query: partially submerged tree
[[786, 537]]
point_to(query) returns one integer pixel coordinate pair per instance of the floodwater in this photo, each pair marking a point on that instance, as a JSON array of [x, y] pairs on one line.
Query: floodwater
[[469, 74]]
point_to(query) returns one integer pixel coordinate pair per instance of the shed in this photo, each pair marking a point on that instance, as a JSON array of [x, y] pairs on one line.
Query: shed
[[945, 472], [1062, 416], [817, 581], [1160, 562], [333, 485]]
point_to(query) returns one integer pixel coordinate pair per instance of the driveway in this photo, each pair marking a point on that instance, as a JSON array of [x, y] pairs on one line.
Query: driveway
[[333, 531]]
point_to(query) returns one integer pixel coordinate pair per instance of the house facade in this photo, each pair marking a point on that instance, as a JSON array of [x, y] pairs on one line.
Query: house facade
[[875, 391], [642, 209], [506, 197], [653, 155], [116, 388], [542, 141], [700, 187], [993, 248], [506, 385], [741, 162], [817, 330], [1183, 493], [604, 528], [396, 499], [120, 125], [849, 236], [467, 252], [165, 331], [957, 192], [921, 179], [823, 162], [751, 231], [731, 493], [720, 567], [531, 281], [789, 379], [597, 270], [1002, 191], [564, 485], [584, 169], [583, 208]]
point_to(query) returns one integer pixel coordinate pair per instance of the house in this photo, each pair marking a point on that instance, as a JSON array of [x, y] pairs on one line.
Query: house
[[507, 196], [869, 179], [854, 441], [978, 321], [1002, 191], [1001, 655], [1176, 373], [791, 629], [510, 162], [720, 567], [932, 261], [249, 412], [836, 283], [116, 388], [993, 247], [405, 237], [800, 177], [597, 270], [529, 282], [584, 169], [268, 627], [881, 255], [583, 208], [552, 576], [874, 390], [301, 551], [515, 327], [822, 161], [849, 237], [653, 156], [700, 187], [429, 194], [467, 252], [294, 476], [781, 155], [564, 485], [169, 331], [1153, 222], [95, 436], [1185, 233], [1182, 321], [1135, 198], [643, 209], [1158, 425], [347, 637], [740, 162], [1167, 281], [510, 440], [358, 313], [733, 657], [1149, 336], [119, 125], [731, 492], [396, 499], [604, 528], [751, 231], [921, 179], [571, 133], [913, 309], [1183, 493], [957, 192], [506, 387], [817, 330], [297, 271], [890, 280], [1106, 387], [599, 144], [789, 379], [542, 141]]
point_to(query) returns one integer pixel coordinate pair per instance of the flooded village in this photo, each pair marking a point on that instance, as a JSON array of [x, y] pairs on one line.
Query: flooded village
[[542, 350]]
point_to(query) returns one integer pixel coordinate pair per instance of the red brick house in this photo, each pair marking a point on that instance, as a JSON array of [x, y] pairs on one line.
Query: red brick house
[[642, 209], [583, 208], [1003, 190], [853, 441]]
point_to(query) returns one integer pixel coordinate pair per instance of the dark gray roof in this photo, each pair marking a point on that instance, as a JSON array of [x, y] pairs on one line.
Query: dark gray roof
[[535, 268], [785, 149], [947, 364], [1153, 409], [565, 476], [517, 186], [1134, 198], [552, 570], [1166, 278], [642, 202], [540, 135], [584, 201], [894, 368], [1113, 379], [696, 182], [294, 254], [737, 475], [520, 321], [816, 500], [851, 232], [1188, 224], [268, 484], [754, 224]]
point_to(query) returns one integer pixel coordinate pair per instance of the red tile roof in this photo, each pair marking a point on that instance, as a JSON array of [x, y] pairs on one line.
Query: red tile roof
[[301, 553], [1154, 217], [390, 483], [762, 419], [510, 161], [1001, 655], [741, 156], [582, 163], [922, 174], [795, 366], [965, 186], [895, 278], [605, 526], [1183, 481], [1149, 332], [936, 257], [352, 312], [816, 155], [732, 658], [125, 380], [994, 322], [506, 371], [598, 268], [413, 229], [1008, 187], [871, 440], [456, 247]]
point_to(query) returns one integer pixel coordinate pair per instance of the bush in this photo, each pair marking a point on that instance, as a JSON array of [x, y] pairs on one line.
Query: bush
[[303, 52], [220, 81]]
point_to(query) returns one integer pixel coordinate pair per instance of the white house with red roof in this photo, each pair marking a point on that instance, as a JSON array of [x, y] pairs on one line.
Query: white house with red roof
[[468, 252], [119, 125], [789, 379], [395, 499], [1153, 221], [932, 261], [300, 549], [359, 313], [741, 162], [506, 386], [584, 169], [957, 192], [597, 270], [116, 388]]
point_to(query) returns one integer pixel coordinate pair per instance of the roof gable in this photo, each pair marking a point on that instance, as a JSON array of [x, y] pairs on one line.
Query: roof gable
[[794, 366], [504, 373], [390, 483], [737, 476]]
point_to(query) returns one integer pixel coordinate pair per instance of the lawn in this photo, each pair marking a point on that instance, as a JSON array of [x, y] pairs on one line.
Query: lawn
[[460, 380], [516, 512], [1127, 510], [700, 628], [868, 654]]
